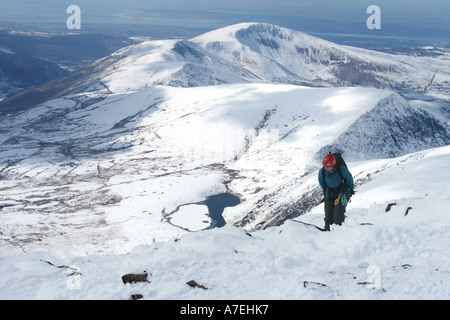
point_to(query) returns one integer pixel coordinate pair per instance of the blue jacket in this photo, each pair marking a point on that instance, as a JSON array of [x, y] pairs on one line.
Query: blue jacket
[[334, 182]]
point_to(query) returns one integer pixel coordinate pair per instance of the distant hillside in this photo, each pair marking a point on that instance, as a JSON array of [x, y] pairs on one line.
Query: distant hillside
[[247, 52], [28, 60]]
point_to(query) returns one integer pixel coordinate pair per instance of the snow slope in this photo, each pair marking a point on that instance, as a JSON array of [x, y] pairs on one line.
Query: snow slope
[[92, 173], [374, 255]]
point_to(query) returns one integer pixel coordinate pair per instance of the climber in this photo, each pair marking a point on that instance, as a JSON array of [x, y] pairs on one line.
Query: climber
[[337, 185]]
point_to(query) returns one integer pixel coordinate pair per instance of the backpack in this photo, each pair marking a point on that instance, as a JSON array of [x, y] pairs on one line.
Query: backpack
[[339, 162]]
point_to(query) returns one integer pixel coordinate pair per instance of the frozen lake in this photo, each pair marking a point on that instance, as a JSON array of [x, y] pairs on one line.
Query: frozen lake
[[202, 215]]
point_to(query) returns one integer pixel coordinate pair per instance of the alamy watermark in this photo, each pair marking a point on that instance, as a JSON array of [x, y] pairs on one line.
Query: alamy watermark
[[230, 145], [73, 277], [74, 20], [374, 279], [374, 21]]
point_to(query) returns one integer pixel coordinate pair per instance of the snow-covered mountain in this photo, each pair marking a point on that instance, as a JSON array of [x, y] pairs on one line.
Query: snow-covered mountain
[[248, 52], [257, 52], [138, 140]]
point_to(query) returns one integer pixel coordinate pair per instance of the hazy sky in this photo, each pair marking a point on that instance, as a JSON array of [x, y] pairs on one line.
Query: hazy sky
[[402, 16]]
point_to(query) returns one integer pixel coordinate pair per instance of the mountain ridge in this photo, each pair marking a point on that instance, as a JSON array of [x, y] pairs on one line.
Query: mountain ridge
[[248, 52]]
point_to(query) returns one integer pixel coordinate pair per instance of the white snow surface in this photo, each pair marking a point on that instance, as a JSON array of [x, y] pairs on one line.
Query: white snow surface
[[374, 255]]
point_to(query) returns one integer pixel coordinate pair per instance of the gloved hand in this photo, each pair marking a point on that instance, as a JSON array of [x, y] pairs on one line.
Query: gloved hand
[[344, 200], [336, 202]]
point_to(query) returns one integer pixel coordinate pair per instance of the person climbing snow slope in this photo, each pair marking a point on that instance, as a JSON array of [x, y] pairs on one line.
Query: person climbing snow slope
[[337, 185]]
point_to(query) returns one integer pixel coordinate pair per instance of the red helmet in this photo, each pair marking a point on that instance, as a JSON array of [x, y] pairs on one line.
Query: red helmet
[[329, 161]]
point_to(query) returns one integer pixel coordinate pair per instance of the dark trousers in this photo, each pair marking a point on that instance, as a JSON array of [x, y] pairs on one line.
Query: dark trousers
[[333, 214]]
